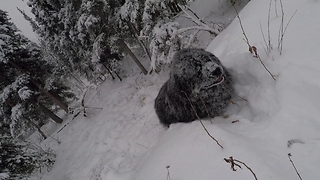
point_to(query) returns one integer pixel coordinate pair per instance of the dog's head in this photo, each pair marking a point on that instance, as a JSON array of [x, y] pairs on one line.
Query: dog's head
[[198, 68]]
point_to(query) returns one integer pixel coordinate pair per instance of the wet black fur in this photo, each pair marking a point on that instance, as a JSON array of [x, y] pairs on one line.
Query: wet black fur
[[187, 80]]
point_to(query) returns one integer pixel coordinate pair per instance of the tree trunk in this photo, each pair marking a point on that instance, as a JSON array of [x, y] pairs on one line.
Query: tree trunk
[[135, 33], [38, 128], [128, 50], [50, 113], [52, 97], [136, 60], [31, 122]]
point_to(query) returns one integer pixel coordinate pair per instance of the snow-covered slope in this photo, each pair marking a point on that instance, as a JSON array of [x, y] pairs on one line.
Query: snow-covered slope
[[275, 113], [125, 141]]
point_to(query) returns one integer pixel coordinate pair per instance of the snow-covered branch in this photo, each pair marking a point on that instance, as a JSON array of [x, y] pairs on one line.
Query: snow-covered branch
[[182, 30], [198, 21]]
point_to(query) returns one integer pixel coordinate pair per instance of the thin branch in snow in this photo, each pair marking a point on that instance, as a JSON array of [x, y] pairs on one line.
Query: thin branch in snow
[[269, 47], [182, 30], [275, 7], [265, 67], [195, 112], [243, 32], [231, 91], [198, 21], [281, 26], [264, 39], [282, 29], [234, 162], [289, 156], [168, 175], [252, 49]]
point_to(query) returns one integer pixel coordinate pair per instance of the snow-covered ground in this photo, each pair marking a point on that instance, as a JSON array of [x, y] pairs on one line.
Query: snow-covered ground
[[124, 140]]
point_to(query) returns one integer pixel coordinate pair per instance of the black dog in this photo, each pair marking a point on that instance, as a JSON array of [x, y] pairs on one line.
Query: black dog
[[198, 82]]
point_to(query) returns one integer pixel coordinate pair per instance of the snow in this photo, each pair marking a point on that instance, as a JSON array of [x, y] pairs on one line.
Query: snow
[[124, 139], [24, 93]]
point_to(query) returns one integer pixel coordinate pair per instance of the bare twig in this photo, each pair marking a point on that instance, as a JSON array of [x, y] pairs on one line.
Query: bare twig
[[269, 47], [231, 91], [275, 7], [281, 27], [264, 39], [233, 164], [205, 107], [265, 67], [198, 21], [168, 175], [243, 32], [195, 112], [289, 156], [284, 31]]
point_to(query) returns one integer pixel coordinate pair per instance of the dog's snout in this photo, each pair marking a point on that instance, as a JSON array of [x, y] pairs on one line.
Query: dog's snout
[[217, 71]]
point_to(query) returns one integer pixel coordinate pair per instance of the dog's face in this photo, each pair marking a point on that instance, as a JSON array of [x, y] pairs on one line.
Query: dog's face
[[200, 69], [211, 75]]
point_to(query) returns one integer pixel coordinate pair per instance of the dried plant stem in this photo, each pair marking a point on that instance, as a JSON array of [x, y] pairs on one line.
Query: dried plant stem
[[275, 7], [243, 32], [168, 175], [205, 107], [283, 30], [264, 39], [289, 156], [265, 67], [269, 47], [233, 164], [231, 91], [195, 112], [252, 49]]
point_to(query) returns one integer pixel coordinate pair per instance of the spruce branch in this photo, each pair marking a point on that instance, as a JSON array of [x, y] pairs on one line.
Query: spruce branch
[[233, 162]]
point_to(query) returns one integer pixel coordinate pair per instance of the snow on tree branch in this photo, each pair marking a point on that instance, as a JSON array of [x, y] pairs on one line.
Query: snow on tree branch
[[193, 16]]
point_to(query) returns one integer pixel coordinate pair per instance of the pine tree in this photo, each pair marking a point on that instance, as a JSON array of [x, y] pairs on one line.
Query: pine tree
[[77, 34], [151, 23], [19, 159], [28, 82]]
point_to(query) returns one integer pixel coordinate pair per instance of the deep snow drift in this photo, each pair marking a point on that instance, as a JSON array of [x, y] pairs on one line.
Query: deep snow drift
[[125, 141]]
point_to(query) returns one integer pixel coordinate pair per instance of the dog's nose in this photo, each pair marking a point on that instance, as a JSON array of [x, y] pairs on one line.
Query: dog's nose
[[217, 71]]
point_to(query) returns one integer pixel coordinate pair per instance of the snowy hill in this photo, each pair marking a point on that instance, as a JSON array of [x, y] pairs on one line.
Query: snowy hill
[[124, 140]]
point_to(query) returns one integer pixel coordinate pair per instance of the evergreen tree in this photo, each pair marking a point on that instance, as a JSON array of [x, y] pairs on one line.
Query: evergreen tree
[[78, 34], [27, 82], [152, 21], [18, 159]]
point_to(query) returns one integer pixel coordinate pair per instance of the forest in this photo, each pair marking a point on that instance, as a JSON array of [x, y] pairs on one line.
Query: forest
[[81, 43]]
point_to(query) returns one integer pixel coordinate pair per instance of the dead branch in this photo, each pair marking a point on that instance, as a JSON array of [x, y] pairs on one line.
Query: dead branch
[[198, 21], [195, 112], [289, 156], [284, 31], [243, 32], [168, 175], [234, 162], [265, 67], [269, 47], [264, 39]]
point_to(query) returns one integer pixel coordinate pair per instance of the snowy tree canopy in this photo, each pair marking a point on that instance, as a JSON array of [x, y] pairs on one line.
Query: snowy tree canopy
[[76, 32], [22, 70]]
